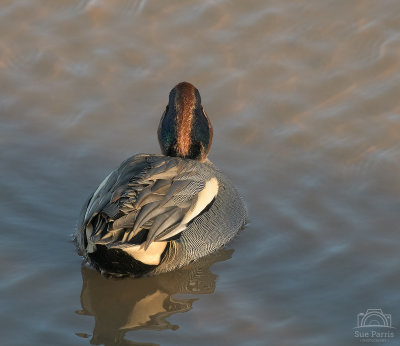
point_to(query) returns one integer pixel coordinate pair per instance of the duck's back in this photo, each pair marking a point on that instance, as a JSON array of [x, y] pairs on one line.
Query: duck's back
[[214, 227], [156, 213]]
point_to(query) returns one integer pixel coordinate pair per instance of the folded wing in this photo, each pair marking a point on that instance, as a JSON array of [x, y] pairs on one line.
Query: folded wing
[[148, 199]]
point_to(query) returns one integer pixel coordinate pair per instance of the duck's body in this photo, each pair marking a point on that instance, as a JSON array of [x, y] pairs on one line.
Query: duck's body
[[156, 213]]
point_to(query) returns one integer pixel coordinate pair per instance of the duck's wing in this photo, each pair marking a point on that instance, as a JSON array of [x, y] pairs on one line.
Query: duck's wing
[[156, 194]]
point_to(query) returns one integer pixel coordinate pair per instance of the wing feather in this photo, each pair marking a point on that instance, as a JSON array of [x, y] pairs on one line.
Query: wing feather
[[155, 193]]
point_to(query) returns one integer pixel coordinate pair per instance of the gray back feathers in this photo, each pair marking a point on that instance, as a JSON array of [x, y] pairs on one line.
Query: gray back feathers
[[152, 198]]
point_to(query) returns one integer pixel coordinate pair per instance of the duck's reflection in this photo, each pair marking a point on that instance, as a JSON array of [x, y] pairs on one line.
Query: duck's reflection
[[121, 305]]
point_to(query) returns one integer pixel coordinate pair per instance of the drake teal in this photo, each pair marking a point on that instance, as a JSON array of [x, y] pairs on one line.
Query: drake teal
[[156, 213]]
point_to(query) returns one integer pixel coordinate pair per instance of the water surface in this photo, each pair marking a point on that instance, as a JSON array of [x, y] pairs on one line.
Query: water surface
[[304, 100]]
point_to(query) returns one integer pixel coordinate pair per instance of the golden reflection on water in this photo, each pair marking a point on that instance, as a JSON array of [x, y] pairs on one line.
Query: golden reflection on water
[[304, 100], [122, 305]]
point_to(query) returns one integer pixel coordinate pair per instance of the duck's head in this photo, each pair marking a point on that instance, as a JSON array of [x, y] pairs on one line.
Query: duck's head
[[185, 130]]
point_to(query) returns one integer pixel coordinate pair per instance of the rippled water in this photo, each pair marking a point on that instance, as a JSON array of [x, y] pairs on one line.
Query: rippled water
[[304, 99]]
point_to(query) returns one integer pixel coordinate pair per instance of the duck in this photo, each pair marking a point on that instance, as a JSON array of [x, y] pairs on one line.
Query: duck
[[159, 212]]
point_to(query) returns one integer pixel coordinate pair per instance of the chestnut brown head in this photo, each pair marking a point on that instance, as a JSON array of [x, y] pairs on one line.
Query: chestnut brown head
[[185, 130]]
